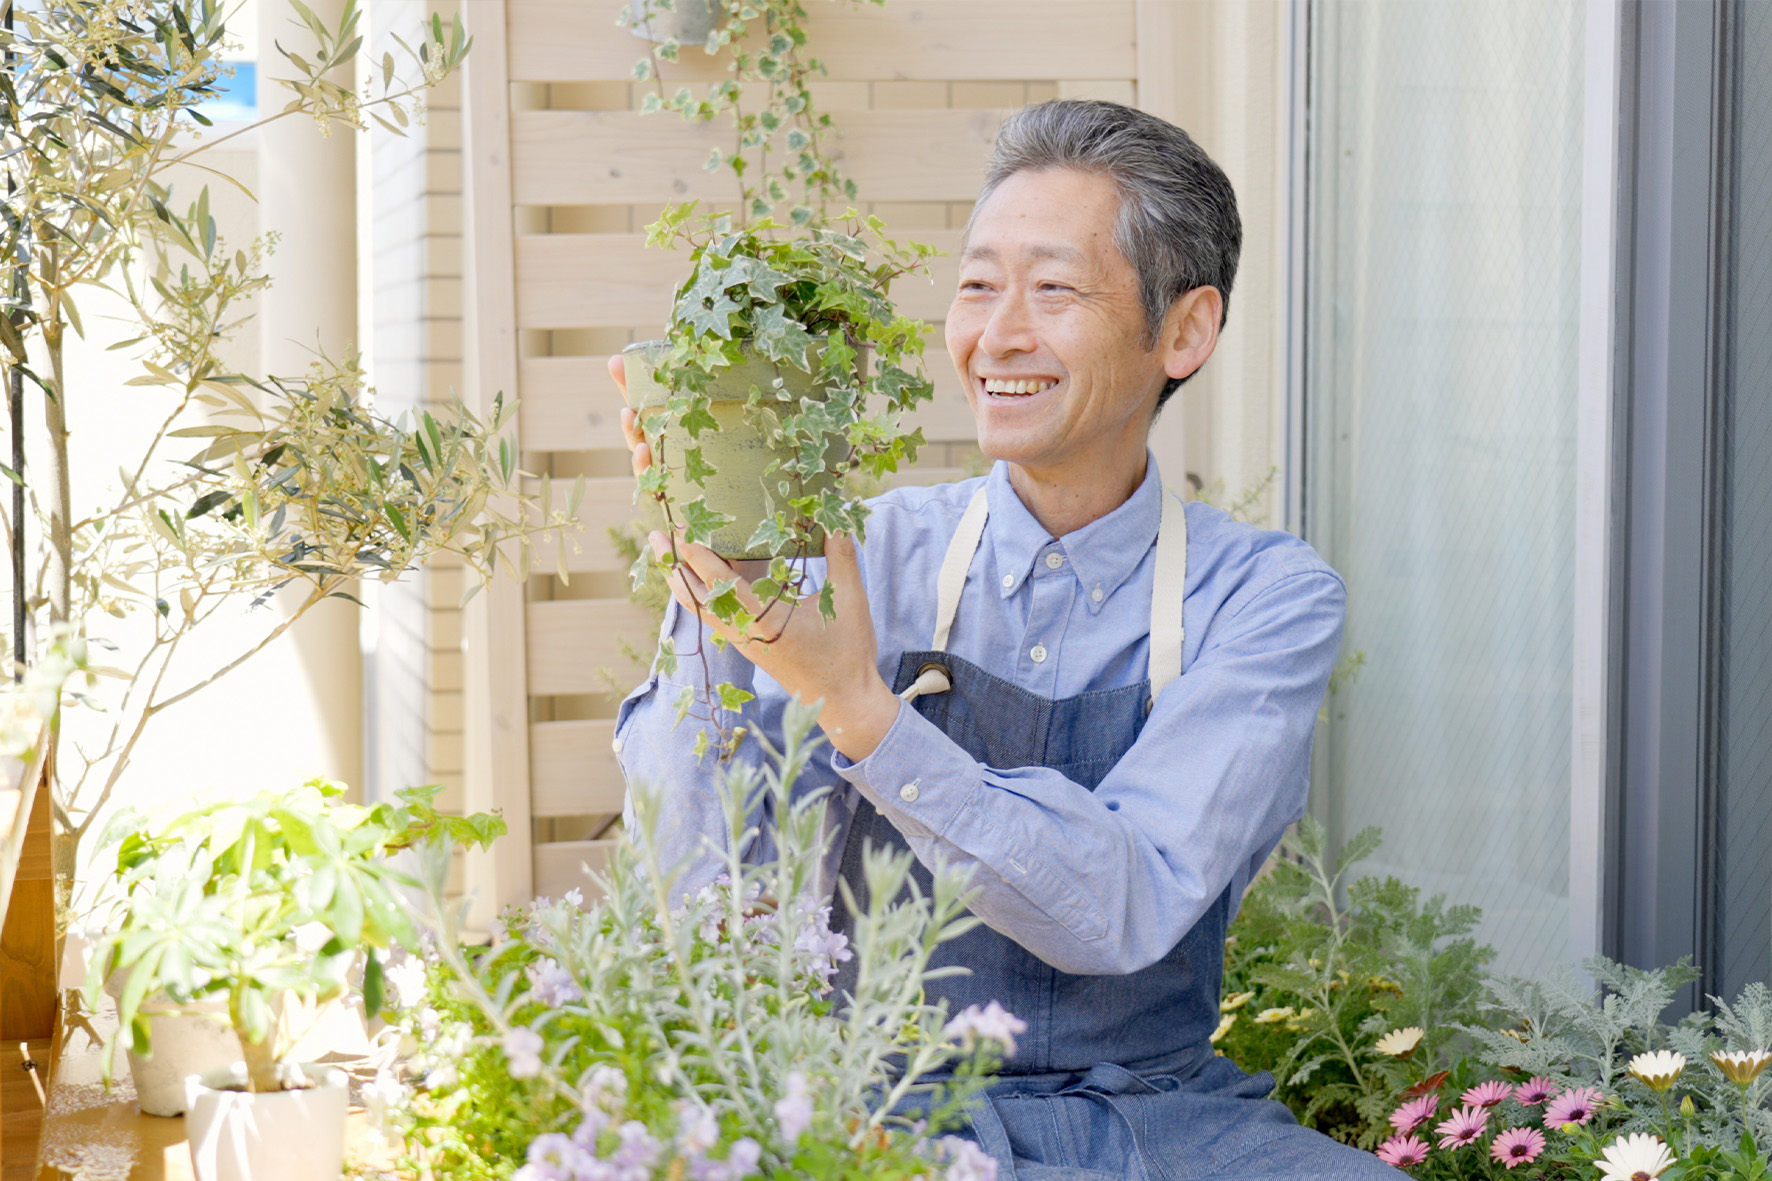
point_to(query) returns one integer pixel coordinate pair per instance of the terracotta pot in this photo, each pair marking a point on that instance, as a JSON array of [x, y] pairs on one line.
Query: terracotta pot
[[276, 1136], [736, 448]]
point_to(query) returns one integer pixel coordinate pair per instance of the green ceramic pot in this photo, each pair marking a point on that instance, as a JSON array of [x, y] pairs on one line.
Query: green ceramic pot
[[735, 448]]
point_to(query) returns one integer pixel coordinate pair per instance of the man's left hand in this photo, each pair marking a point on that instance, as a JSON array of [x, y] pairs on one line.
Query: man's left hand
[[816, 659]]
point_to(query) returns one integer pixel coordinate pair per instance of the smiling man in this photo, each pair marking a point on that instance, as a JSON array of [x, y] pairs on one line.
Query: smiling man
[[1095, 699]]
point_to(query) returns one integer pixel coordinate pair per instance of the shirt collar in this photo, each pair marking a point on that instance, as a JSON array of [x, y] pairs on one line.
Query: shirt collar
[[1102, 554]]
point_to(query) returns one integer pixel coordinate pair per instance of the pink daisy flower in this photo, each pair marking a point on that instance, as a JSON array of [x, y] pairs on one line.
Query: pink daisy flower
[[1534, 1091], [1465, 1126], [1414, 1113], [1486, 1094], [1573, 1107], [1517, 1146], [1400, 1152]]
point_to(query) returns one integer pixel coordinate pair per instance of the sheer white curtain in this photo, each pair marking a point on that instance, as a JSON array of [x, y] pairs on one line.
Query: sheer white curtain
[[1442, 265]]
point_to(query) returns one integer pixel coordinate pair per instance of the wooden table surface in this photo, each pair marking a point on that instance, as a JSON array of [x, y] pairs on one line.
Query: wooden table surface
[[91, 1134]]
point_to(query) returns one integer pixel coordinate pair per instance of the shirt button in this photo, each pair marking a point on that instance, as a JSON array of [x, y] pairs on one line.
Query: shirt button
[[1096, 595], [615, 745], [1054, 561], [1008, 581], [909, 793], [1038, 653]]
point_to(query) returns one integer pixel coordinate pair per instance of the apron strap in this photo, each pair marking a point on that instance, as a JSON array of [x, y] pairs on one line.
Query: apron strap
[[954, 566], [1168, 591]]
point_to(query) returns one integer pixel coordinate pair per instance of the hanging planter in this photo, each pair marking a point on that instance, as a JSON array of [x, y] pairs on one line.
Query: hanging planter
[[687, 22], [296, 1134]]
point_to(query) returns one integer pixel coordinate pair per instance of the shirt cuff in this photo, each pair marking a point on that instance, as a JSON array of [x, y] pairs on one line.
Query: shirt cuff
[[917, 777]]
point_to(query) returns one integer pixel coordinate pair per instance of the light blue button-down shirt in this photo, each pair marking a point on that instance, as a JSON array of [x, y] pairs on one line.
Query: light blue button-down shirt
[[1218, 772]]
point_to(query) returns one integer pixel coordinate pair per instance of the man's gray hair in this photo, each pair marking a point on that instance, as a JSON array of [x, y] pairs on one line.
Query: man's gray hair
[[1177, 224]]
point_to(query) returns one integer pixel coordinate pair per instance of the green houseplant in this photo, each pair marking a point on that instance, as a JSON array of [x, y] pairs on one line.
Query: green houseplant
[[254, 901]]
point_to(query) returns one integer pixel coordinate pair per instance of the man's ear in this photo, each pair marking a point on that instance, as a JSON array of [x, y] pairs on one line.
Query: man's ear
[[1190, 331]]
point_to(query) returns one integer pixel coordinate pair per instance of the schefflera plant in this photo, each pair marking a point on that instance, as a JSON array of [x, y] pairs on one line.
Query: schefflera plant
[[813, 300], [260, 899]]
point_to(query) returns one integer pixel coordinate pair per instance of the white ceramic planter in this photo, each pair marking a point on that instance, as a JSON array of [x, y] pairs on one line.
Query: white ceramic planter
[[284, 1136], [185, 1040], [184, 1043]]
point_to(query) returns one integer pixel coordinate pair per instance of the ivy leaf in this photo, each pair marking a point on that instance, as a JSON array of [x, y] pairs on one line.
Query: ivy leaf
[[732, 697], [698, 418], [780, 338], [696, 468], [667, 657], [711, 315], [700, 521]]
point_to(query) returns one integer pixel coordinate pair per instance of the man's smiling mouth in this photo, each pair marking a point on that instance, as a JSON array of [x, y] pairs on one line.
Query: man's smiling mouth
[[1003, 388]]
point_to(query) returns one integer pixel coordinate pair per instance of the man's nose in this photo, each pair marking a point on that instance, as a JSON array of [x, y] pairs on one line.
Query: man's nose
[[1009, 329]]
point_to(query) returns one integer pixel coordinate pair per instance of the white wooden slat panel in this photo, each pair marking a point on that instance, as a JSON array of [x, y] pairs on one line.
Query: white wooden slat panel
[[571, 642], [973, 40], [560, 867], [572, 770], [626, 158], [614, 281], [567, 404], [495, 759], [570, 404]]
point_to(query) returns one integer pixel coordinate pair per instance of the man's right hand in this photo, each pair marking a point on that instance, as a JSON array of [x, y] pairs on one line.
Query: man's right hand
[[638, 448]]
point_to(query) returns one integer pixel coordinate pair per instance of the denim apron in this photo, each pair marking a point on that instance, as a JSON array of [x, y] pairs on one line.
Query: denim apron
[[1115, 1077]]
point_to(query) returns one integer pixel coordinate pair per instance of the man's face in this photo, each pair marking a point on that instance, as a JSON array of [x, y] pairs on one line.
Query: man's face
[[1048, 334]]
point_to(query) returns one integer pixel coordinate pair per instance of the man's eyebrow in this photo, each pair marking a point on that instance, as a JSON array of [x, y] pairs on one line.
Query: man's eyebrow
[[1060, 251]]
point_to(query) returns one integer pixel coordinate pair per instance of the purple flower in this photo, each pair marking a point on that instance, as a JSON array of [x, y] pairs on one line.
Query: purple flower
[[741, 1161], [1534, 1091], [697, 1130], [552, 985], [589, 1128], [1572, 1108], [991, 1023], [1414, 1113], [1517, 1146], [823, 948], [1464, 1126], [523, 1048], [1486, 1094], [968, 1162], [553, 1157], [1401, 1151], [793, 1111], [638, 1151], [605, 1089]]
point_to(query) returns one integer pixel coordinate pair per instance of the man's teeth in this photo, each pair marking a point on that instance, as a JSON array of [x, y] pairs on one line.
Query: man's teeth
[[994, 386]]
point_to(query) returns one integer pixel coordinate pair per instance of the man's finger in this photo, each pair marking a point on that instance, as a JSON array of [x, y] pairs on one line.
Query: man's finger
[[618, 369]]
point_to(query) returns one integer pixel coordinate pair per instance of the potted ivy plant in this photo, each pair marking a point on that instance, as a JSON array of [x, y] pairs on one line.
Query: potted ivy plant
[[247, 902], [784, 368]]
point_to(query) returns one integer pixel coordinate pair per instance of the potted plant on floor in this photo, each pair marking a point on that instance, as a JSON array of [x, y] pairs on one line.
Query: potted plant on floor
[[661, 1036], [247, 902]]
